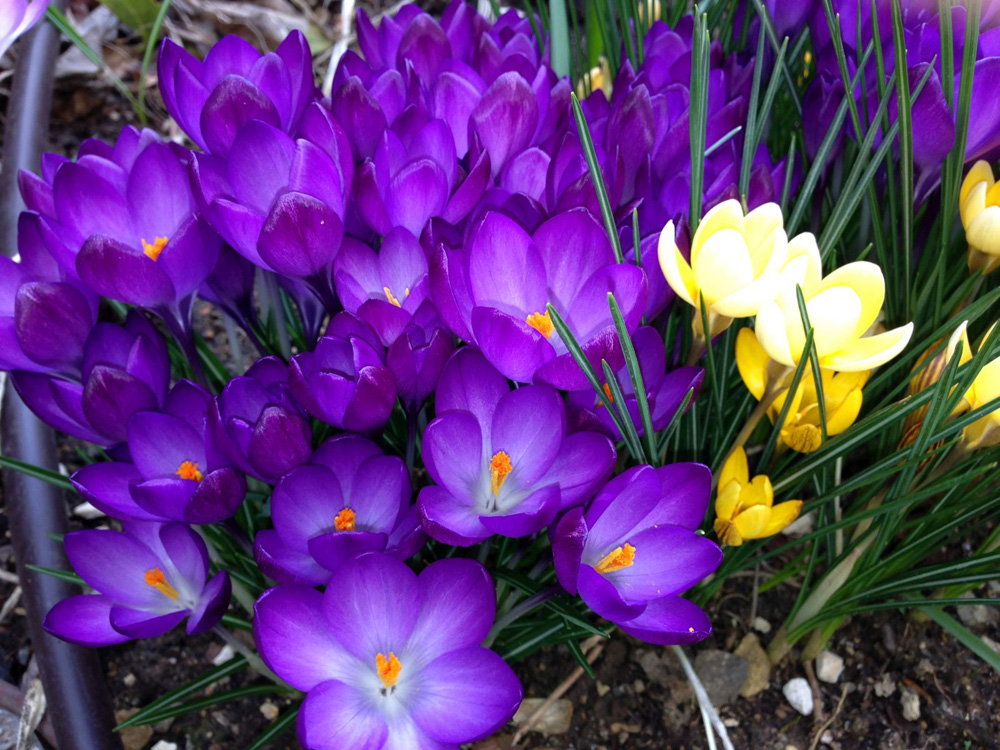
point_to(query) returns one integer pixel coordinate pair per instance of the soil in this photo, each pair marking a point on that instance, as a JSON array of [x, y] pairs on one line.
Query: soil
[[639, 699]]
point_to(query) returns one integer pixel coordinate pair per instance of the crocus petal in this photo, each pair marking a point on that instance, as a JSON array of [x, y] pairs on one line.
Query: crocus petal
[[105, 485], [669, 621], [516, 349], [333, 549], [675, 268], [294, 638], [602, 596], [584, 461], [448, 519], [136, 623], [668, 560], [465, 694], [870, 351], [372, 604], [452, 451], [528, 425], [335, 716], [115, 565], [121, 272], [84, 620], [285, 564]]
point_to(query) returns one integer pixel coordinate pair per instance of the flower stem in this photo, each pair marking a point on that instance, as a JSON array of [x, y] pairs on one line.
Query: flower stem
[[697, 349], [765, 403]]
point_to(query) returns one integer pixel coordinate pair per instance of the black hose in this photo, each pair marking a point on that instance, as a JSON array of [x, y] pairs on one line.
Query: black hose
[[78, 703]]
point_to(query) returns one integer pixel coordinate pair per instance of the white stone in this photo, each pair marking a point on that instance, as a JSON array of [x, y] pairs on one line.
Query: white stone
[[225, 654], [800, 526], [829, 666], [129, 680], [164, 745], [87, 511], [799, 695], [910, 702], [761, 625]]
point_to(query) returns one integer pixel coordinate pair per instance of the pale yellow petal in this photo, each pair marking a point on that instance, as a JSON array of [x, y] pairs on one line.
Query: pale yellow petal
[[833, 315], [974, 203], [726, 215], [735, 468], [803, 265], [772, 334], [675, 269], [782, 515], [984, 231], [803, 438], [960, 335], [723, 266], [727, 533], [751, 360], [868, 283], [979, 173], [747, 301], [751, 523], [986, 386], [870, 351]]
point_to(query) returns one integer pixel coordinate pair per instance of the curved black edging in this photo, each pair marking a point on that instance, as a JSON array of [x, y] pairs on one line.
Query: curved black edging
[[78, 703]]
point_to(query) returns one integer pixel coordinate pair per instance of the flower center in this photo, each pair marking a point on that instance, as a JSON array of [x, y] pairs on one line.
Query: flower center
[[542, 322], [617, 559], [189, 470], [388, 669], [154, 578], [500, 467], [153, 251], [804, 438], [607, 392], [344, 520], [392, 298]]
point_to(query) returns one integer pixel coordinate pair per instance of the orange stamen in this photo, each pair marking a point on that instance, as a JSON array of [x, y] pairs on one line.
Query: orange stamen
[[189, 470], [542, 322], [388, 669], [155, 579], [607, 392], [617, 559], [344, 520], [153, 251], [500, 467]]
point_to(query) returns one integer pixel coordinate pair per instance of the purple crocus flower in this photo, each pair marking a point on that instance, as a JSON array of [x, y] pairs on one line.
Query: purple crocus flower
[[665, 391], [122, 371], [175, 474], [388, 659], [417, 357], [213, 98], [501, 459], [495, 295], [384, 289], [636, 549], [148, 579], [257, 423], [16, 17], [350, 498], [280, 202], [123, 219], [344, 381]]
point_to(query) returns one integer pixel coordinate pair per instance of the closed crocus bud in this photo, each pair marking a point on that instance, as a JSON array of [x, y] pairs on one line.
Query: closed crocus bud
[[979, 205], [148, 579], [234, 84], [744, 508], [257, 423], [124, 371], [417, 357], [842, 308], [928, 370], [344, 381], [801, 431], [735, 265]]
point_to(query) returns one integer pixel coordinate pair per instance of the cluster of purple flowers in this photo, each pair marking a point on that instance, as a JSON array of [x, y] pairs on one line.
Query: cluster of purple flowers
[[420, 220]]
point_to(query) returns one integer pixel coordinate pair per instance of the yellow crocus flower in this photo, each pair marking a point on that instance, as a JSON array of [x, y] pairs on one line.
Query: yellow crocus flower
[[979, 205], [842, 307], [985, 431], [736, 263], [600, 79], [744, 507], [842, 396], [927, 374]]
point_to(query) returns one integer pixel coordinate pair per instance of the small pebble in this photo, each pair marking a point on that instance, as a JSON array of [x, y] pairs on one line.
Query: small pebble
[[602, 689], [225, 654], [910, 702], [829, 666], [885, 687], [731, 723], [87, 511], [164, 745], [799, 695], [269, 710], [129, 680], [761, 625]]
